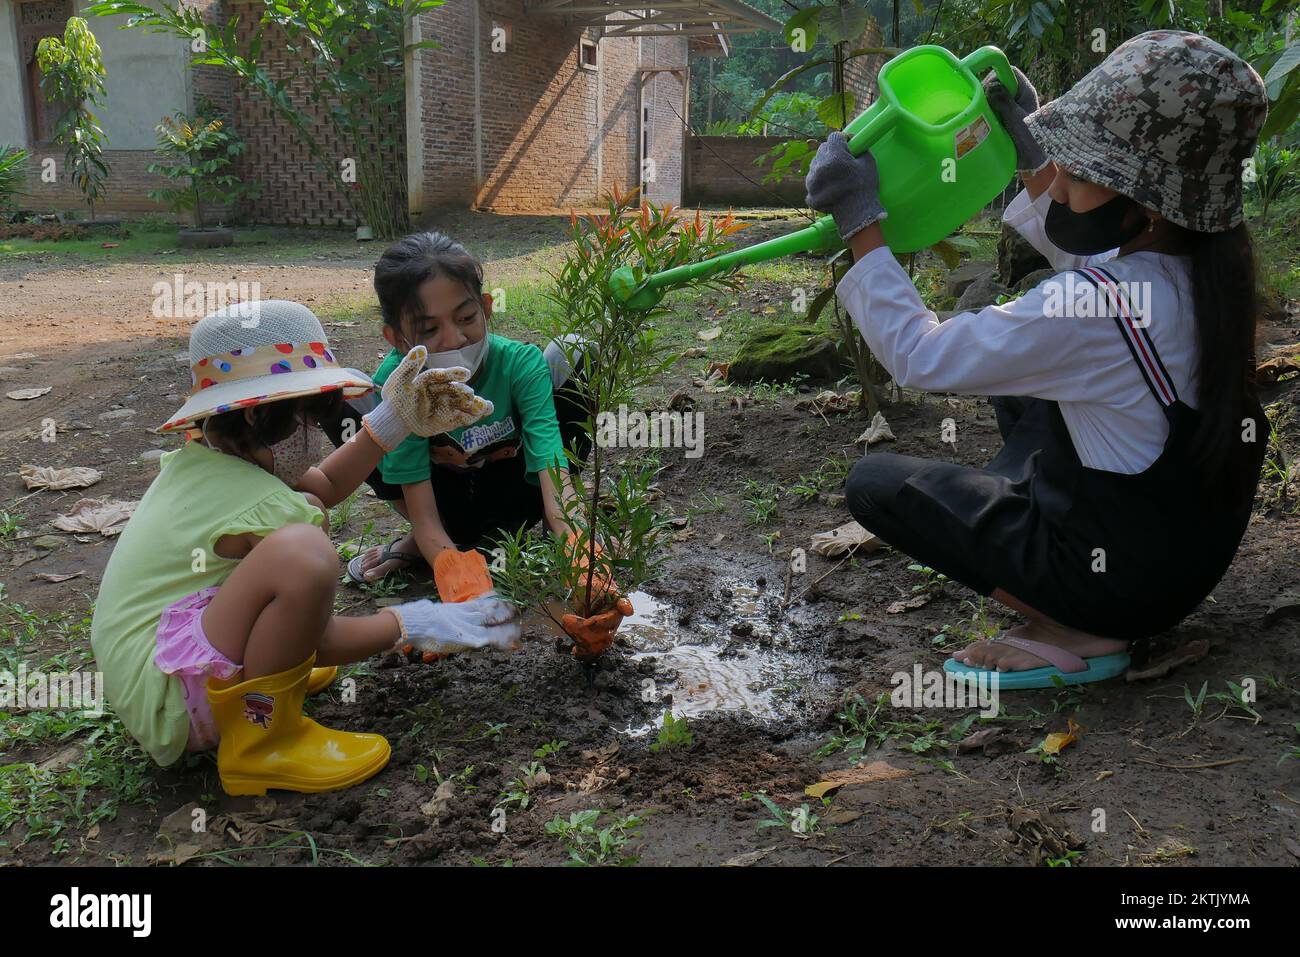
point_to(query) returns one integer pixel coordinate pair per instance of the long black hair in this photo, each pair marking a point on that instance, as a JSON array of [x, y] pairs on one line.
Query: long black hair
[[1226, 305], [412, 261]]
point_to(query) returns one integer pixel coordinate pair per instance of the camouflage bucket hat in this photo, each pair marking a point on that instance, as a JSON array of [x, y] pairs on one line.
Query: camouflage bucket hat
[[1167, 120]]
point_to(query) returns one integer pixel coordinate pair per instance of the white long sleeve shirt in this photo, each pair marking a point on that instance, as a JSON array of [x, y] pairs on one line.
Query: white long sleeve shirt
[[1032, 346]]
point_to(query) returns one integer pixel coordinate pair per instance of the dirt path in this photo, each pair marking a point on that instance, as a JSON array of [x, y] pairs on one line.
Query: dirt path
[[1142, 758]]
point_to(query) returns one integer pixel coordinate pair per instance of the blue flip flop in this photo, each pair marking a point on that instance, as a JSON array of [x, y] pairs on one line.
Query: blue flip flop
[[1069, 668]]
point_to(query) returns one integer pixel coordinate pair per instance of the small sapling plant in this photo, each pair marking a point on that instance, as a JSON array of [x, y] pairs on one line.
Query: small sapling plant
[[616, 353]]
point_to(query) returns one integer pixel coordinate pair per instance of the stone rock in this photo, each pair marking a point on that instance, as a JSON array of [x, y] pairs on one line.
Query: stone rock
[[967, 273], [117, 414], [1034, 278], [151, 455], [1016, 258], [980, 293], [779, 353]]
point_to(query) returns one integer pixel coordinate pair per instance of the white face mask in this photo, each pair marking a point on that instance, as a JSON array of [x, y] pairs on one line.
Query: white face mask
[[470, 357]]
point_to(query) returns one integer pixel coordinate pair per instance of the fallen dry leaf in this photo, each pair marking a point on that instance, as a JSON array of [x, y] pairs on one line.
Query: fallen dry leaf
[[862, 774], [437, 804], [21, 394], [1274, 370], [601, 755], [56, 480], [51, 577], [916, 601], [694, 352], [106, 516], [1284, 605], [828, 401], [877, 431], [978, 740], [1103, 775], [708, 335], [749, 857], [1055, 742], [846, 537]]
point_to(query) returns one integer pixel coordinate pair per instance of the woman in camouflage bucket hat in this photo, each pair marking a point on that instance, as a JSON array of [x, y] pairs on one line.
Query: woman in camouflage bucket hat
[[1123, 385]]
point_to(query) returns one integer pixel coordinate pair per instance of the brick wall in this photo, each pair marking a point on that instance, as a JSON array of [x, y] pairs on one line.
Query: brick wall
[[860, 72], [127, 186], [528, 127], [295, 190], [720, 170]]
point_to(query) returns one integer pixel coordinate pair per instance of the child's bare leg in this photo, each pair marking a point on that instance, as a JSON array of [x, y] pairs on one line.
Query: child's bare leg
[[271, 613]]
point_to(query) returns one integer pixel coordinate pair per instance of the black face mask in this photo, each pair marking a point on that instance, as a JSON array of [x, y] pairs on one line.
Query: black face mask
[[1096, 231]]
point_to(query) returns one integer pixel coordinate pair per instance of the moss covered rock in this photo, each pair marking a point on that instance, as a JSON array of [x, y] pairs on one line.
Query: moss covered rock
[[779, 353]]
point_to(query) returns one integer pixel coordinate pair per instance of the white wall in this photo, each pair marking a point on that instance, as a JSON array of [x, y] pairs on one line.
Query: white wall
[[147, 78], [13, 122]]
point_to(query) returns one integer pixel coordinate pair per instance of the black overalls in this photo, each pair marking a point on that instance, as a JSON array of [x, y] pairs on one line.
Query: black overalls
[[1117, 555]]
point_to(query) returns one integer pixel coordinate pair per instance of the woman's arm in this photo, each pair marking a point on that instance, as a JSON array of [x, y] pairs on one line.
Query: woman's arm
[[551, 501], [426, 523]]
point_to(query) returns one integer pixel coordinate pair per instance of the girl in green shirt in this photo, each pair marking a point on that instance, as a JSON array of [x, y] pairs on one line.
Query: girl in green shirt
[[462, 489]]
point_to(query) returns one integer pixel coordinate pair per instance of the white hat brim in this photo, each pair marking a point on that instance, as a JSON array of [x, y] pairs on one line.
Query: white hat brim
[[266, 388]]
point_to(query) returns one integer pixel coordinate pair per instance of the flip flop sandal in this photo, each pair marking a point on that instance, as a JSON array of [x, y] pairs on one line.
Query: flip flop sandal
[[389, 553], [1065, 665]]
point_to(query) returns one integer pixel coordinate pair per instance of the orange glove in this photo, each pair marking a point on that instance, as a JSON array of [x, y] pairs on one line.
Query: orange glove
[[593, 625], [459, 576], [592, 636]]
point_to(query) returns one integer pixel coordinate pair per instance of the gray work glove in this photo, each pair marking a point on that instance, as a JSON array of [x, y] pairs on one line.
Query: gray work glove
[[1030, 157], [844, 185]]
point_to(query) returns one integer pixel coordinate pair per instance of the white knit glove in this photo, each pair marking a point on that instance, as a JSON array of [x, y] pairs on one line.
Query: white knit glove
[[426, 403], [439, 628]]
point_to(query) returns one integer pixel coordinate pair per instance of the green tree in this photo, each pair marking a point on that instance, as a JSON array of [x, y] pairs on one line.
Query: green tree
[[201, 152], [72, 73]]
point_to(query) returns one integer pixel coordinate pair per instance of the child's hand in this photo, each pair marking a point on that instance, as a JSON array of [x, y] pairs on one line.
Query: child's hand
[[441, 627], [425, 403]]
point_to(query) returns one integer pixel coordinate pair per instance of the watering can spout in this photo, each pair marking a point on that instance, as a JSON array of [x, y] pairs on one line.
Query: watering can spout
[[941, 152], [647, 292]]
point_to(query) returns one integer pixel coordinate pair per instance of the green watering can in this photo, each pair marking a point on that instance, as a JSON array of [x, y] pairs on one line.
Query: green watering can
[[941, 153]]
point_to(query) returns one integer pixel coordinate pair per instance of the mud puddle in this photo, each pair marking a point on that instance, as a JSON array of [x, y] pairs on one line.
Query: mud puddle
[[737, 657]]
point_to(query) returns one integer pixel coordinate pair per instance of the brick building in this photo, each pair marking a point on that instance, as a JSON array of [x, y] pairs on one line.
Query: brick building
[[531, 105]]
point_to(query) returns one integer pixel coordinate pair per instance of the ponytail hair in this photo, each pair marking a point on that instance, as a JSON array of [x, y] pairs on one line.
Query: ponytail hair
[[1226, 305]]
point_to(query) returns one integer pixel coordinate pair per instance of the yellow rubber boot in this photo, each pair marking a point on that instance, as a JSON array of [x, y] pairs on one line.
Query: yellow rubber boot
[[267, 742], [321, 678]]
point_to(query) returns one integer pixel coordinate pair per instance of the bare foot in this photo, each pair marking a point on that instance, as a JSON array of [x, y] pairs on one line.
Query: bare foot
[[1000, 656], [373, 569]]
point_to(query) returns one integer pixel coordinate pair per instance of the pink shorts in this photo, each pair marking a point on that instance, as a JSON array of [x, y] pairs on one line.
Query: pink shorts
[[184, 651]]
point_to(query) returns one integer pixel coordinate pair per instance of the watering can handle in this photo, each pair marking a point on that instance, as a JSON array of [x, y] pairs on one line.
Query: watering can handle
[[992, 58], [871, 125]]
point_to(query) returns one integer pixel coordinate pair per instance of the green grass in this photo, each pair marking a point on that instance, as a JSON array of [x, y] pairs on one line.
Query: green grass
[[151, 242], [105, 768], [1277, 250]]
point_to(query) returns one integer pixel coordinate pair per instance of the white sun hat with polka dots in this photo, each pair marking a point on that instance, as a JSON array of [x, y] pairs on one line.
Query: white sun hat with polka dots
[[251, 353]]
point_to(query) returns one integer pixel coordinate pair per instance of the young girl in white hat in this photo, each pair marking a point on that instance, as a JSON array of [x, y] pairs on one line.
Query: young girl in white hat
[[218, 598], [1123, 388]]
